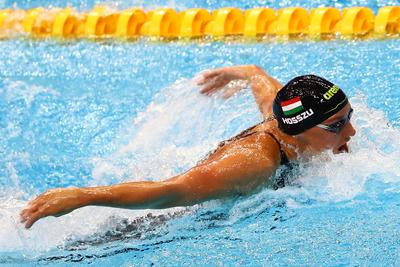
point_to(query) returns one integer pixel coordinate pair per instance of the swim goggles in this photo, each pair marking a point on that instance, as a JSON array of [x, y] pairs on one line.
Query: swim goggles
[[336, 127]]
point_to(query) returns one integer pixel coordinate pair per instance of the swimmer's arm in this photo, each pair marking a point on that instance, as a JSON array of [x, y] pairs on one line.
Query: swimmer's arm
[[264, 86], [226, 176], [230, 174]]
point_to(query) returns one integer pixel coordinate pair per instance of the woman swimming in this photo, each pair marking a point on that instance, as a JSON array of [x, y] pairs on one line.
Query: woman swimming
[[303, 118]]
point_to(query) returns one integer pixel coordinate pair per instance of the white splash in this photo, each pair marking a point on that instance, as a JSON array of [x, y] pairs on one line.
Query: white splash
[[374, 150], [15, 90], [174, 132]]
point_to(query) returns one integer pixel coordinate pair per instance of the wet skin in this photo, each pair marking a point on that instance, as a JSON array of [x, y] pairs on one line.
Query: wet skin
[[319, 139], [239, 167]]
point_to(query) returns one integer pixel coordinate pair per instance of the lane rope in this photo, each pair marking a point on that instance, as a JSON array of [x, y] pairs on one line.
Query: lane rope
[[104, 22]]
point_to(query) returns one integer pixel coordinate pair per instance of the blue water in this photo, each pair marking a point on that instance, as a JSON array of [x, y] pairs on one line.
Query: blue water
[[93, 113], [85, 5]]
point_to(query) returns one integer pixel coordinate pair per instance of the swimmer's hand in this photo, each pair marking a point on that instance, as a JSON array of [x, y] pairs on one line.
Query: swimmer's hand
[[237, 77], [55, 202], [233, 79], [241, 167]]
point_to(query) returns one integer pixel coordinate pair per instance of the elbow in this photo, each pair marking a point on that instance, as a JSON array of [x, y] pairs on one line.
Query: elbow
[[173, 196], [256, 68], [180, 195], [200, 185], [191, 188]]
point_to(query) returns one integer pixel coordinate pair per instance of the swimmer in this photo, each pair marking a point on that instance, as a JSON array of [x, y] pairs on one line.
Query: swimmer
[[305, 117]]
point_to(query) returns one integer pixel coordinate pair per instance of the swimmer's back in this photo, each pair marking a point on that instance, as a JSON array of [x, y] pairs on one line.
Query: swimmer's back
[[257, 135]]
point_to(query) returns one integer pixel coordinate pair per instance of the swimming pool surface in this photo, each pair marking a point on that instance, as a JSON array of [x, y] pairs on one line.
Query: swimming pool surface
[[86, 113]]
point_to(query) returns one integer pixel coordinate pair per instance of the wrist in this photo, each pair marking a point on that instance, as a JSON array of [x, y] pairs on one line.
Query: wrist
[[96, 196], [87, 196]]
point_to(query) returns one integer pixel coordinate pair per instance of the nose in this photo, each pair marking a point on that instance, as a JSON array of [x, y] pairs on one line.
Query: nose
[[350, 131]]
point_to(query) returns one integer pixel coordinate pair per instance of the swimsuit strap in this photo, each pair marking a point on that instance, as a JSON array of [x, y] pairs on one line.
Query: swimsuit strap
[[248, 132], [279, 181], [284, 158]]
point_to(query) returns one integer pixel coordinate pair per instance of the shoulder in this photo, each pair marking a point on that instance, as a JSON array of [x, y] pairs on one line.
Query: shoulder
[[239, 166], [259, 146], [269, 145]]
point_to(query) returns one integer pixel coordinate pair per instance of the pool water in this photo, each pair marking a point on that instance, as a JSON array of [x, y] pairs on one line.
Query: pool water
[[85, 113]]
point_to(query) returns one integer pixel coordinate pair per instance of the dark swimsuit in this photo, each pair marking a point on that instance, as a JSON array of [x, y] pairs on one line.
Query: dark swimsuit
[[279, 180]]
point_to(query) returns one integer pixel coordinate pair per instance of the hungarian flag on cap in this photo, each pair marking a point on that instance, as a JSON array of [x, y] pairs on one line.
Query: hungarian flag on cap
[[292, 106]]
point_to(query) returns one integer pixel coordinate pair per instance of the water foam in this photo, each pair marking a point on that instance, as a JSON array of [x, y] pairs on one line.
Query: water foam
[[329, 178], [172, 134]]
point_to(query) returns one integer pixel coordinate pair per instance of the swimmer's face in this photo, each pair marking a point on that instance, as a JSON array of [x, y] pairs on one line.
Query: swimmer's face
[[318, 139]]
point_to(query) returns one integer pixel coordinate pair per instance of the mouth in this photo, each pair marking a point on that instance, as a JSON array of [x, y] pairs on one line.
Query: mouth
[[343, 148]]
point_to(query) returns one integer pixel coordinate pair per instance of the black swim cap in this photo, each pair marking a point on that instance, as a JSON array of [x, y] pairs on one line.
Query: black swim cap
[[305, 102]]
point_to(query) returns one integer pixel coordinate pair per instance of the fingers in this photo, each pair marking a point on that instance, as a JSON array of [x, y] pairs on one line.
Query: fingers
[[212, 86], [211, 74], [213, 80], [54, 202], [30, 215], [30, 220], [32, 210], [25, 213], [205, 76]]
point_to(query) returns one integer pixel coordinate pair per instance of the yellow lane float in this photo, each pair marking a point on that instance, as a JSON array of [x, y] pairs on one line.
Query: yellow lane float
[[388, 20], [193, 22], [259, 21], [355, 20], [30, 18], [323, 20], [11, 22], [101, 22], [66, 23], [197, 22], [226, 21], [130, 21], [163, 22], [292, 20], [3, 15]]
